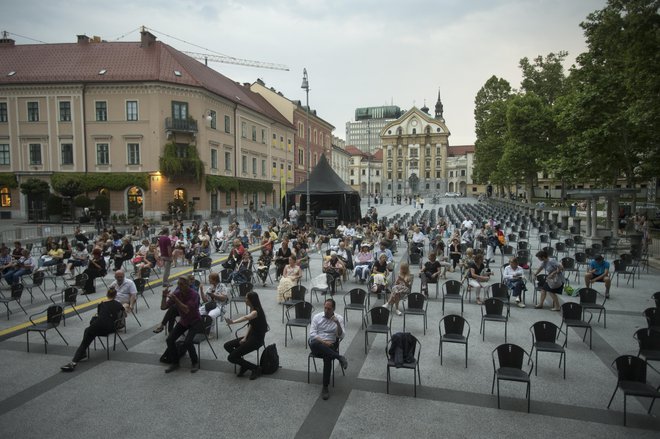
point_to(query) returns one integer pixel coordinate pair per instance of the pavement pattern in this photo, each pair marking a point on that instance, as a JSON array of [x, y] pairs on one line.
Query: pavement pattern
[[131, 396]]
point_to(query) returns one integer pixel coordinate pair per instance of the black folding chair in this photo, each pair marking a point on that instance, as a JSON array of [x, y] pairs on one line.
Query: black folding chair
[[207, 323], [417, 305], [452, 330], [414, 365], [544, 339], [54, 315], [493, 311], [572, 315], [380, 318], [302, 318], [510, 368], [356, 302], [631, 379], [16, 294]]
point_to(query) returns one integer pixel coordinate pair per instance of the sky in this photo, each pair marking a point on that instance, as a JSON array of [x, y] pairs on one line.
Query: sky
[[358, 53]]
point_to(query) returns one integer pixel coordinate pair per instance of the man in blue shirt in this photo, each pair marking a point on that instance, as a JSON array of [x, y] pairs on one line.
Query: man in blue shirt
[[256, 231], [598, 271]]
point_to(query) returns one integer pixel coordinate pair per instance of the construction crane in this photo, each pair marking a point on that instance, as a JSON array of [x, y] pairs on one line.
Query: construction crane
[[231, 60]]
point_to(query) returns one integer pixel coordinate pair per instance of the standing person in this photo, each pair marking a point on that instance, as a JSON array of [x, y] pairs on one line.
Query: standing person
[[166, 247], [476, 276], [293, 215], [253, 340], [513, 279], [186, 302], [554, 282], [402, 287], [103, 323], [598, 271], [327, 330]]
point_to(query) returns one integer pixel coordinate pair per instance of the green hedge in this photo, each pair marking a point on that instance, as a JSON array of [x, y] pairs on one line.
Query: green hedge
[[254, 186], [93, 181], [171, 165], [8, 179], [229, 184]]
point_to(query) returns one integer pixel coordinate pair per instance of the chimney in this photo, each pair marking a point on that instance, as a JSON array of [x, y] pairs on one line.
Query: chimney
[[83, 39], [147, 38]]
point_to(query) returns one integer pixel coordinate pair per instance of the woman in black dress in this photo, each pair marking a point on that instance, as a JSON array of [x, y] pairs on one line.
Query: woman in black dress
[[253, 340], [282, 258]]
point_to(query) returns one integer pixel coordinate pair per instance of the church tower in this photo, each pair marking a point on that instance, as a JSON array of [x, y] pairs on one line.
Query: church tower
[[439, 108]]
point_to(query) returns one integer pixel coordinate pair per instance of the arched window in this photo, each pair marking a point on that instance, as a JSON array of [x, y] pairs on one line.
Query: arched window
[[5, 197]]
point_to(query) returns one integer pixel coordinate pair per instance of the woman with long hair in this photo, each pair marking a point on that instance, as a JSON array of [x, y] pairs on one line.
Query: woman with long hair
[[253, 340], [402, 287]]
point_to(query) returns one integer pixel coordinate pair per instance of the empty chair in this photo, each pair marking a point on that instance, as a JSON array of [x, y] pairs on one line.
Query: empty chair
[[452, 290], [543, 241], [32, 281], [356, 302], [652, 318], [649, 344], [53, 318], [550, 251], [622, 269], [416, 305], [140, 286], [15, 296], [68, 297], [203, 267], [297, 295], [544, 339], [403, 352], [560, 248], [540, 280], [452, 330], [570, 245], [572, 315], [378, 321], [207, 324], [589, 300], [631, 379], [570, 267], [302, 318], [493, 311], [509, 367], [501, 291]]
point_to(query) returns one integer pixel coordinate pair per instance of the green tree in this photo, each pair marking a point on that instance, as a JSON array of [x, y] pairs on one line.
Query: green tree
[[490, 126]]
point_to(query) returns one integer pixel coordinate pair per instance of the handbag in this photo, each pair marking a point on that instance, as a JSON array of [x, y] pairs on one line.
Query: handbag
[[554, 281]]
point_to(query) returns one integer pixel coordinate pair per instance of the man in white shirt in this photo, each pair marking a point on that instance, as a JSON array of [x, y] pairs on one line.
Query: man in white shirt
[[218, 238], [467, 224], [326, 331], [293, 215], [126, 290]]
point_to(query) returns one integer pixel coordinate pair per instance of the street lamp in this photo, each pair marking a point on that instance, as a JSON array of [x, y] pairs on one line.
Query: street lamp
[[368, 164], [305, 86]]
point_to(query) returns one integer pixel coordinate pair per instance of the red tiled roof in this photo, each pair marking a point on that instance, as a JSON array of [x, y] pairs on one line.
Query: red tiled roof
[[122, 62], [350, 149], [378, 155], [459, 150]]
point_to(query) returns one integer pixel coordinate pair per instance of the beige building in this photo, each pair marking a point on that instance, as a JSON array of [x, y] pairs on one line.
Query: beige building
[[340, 158], [415, 153], [460, 162], [366, 172], [138, 121]]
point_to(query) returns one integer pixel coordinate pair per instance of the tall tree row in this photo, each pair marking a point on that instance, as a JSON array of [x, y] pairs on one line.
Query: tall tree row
[[596, 125]]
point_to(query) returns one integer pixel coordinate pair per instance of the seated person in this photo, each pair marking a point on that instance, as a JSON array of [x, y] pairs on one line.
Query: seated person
[[125, 253], [263, 265], [95, 268], [431, 272], [253, 340], [24, 265], [335, 268], [235, 255], [103, 323], [363, 262], [599, 271], [344, 253], [281, 258], [388, 255], [79, 258], [513, 278], [243, 271], [327, 329], [54, 256], [380, 273], [126, 290], [214, 299], [291, 275], [401, 288]]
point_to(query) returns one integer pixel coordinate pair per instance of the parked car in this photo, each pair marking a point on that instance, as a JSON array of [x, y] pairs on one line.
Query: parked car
[[452, 194]]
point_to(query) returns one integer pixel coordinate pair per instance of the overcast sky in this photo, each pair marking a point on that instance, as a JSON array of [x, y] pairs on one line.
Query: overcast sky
[[357, 52]]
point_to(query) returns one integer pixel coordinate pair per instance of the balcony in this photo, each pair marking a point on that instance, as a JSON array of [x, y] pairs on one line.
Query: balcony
[[180, 125]]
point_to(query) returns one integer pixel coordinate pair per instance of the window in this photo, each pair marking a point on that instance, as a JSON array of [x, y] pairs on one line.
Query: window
[[301, 156], [289, 140], [364, 172], [377, 173], [35, 153], [179, 110], [301, 129], [4, 154], [5, 197], [389, 153], [389, 165], [437, 174], [254, 133], [315, 159], [315, 137], [427, 151], [214, 119], [451, 173], [65, 111], [133, 153], [389, 175], [66, 152], [462, 172], [131, 110], [228, 198], [427, 174], [414, 130], [244, 130], [437, 151], [254, 166], [3, 112], [102, 154], [227, 124], [399, 175], [227, 161], [352, 172], [438, 163], [214, 202], [244, 164], [101, 111], [263, 136], [263, 167], [214, 158], [428, 163], [33, 111]]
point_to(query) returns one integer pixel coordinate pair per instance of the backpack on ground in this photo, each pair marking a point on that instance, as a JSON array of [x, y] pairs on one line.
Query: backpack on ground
[[167, 357], [270, 360]]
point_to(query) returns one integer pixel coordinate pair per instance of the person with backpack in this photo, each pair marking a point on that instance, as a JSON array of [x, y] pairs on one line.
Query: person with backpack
[[253, 340], [327, 330]]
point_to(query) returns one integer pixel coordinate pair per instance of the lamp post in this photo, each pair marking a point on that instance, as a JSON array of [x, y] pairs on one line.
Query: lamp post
[[368, 164], [305, 86]]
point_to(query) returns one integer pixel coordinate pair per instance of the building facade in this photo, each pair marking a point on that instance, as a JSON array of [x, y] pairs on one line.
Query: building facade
[[340, 158], [415, 153], [366, 172], [139, 122], [364, 133], [460, 162]]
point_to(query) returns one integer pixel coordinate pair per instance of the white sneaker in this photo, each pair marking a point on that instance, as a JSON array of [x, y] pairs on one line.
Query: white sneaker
[[520, 304], [398, 312], [518, 299]]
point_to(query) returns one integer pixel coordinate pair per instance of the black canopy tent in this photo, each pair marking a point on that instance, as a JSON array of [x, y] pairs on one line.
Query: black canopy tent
[[327, 191]]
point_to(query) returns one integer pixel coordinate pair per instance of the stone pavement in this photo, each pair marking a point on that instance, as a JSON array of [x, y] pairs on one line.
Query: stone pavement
[[130, 396]]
